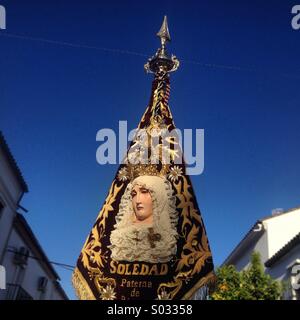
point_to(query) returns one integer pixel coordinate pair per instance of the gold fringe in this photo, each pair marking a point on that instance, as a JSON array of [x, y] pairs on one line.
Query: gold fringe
[[82, 289], [207, 280]]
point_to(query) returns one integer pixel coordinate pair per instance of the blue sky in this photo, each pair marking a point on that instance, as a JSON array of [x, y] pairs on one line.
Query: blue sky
[[238, 80]]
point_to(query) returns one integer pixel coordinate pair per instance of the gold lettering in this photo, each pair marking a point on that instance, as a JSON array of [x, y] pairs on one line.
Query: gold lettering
[[127, 272], [144, 270], [135, 270], [113, 268], [135, 293], [164, 269], [136, 284], [138, 269], [123, 282], [121, 268], [153, 270]]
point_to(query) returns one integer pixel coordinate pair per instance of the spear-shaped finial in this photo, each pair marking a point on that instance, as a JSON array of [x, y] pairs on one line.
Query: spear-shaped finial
[[164, 33], [162, 63]]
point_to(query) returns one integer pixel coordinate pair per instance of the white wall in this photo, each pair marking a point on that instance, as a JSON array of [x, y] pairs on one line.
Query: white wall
[[9, 180], [281, 230], [278, 269], [10, 192], [28, 277], [278, 231], [242, 259], [6, 221], [280, 272]]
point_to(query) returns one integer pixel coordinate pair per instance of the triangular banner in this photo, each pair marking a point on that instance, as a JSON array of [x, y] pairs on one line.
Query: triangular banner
[[149, 240]]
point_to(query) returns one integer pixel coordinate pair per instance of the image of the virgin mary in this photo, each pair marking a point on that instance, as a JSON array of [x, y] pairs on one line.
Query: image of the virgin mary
[[146, 224]]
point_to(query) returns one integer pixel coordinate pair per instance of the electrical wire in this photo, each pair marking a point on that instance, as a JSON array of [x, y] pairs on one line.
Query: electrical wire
[[69, 44], [128, 52], [59, 264]]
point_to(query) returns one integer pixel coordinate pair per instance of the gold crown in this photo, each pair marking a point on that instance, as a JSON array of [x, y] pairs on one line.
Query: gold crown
[[136, 170]]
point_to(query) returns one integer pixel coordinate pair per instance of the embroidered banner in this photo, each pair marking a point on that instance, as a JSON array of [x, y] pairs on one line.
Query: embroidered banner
[[149, 240]]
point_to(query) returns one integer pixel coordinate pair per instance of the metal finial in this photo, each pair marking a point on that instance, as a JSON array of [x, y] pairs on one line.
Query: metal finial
[[162, 62], [164, 33]]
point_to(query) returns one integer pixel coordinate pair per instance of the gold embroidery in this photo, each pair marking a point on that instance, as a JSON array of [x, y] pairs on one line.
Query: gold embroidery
[[195, 251]]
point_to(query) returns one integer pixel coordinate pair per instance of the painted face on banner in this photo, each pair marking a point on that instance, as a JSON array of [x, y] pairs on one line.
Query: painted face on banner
[[142, 205], [146, 224]]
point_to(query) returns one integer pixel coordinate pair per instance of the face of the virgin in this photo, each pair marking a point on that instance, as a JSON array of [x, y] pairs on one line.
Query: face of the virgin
[[142, 205]]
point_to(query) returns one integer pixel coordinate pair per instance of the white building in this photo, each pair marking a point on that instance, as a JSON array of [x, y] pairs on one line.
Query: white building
[[277, 239], [28, 272]]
